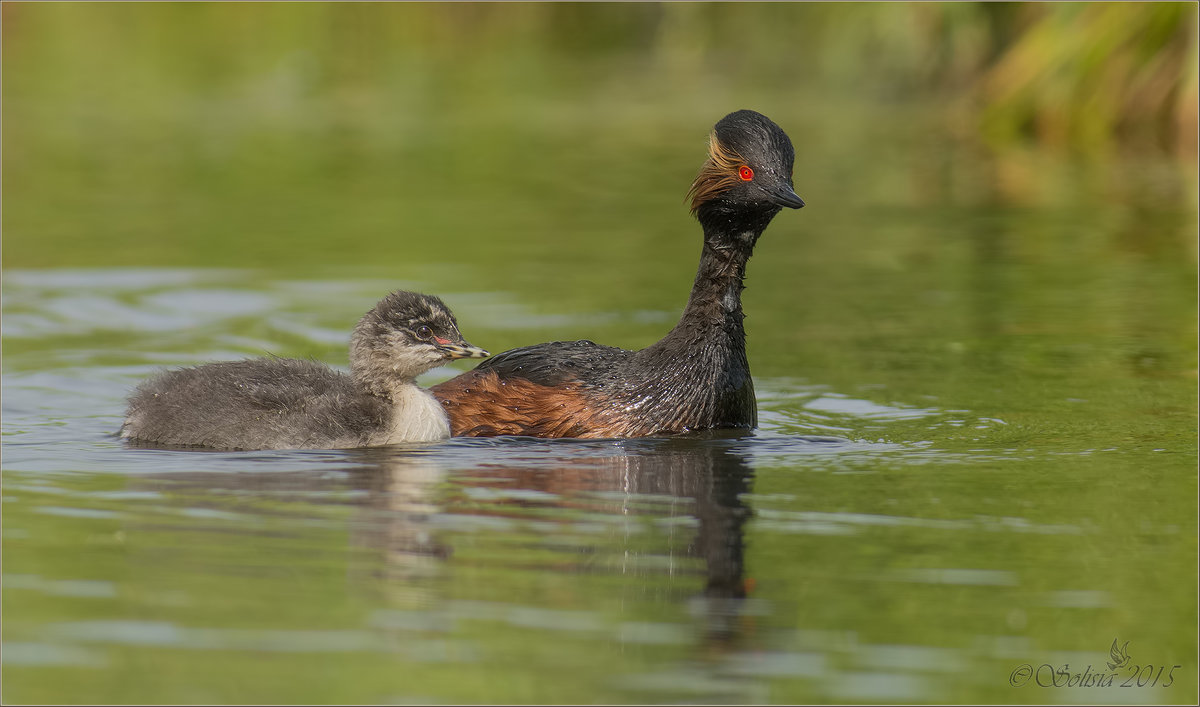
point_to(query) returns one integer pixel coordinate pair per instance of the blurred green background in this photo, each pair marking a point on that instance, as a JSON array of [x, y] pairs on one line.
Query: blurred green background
[[315, 133]]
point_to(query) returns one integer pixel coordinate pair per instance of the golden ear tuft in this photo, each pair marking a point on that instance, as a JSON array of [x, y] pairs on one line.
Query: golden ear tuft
[[718, 175]]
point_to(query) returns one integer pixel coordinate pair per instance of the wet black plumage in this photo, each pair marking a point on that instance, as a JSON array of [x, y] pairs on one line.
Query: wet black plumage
[[697, 376]]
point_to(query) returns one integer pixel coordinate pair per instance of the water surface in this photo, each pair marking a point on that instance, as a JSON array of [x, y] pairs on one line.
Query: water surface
[[856, 547]]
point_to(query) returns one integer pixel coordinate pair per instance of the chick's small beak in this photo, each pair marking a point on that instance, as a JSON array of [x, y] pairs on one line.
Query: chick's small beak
[[785, 196], [460, 349]]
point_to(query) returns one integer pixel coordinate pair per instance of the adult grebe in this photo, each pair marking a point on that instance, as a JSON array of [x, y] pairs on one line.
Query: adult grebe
[[697, 376]]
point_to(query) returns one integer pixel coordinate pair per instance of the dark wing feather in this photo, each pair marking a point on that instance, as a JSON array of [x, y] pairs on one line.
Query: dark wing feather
[[558, 362]]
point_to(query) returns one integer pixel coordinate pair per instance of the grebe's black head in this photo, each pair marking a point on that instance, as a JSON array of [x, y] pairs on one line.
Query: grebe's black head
[[403, 336], [749, 168]]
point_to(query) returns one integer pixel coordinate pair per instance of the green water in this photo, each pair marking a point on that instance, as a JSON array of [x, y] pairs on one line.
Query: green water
[[1004, 342]]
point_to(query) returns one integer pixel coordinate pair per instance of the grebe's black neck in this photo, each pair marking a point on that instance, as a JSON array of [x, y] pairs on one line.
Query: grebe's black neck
[[715, 299], [715, 303], [700, 367]]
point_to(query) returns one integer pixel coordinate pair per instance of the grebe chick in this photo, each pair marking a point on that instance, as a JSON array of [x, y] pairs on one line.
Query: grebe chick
[[282, 403], [696, 377]]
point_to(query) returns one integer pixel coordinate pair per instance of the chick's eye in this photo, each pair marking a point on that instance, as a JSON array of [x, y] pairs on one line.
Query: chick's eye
[[424, 332], [745, 173]]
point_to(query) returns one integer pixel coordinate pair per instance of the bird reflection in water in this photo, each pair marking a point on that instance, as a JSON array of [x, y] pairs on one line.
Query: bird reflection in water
[[664, 514], [690, 482]]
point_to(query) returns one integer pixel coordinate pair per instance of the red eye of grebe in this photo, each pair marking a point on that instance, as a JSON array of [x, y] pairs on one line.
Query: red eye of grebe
[[745, 173]]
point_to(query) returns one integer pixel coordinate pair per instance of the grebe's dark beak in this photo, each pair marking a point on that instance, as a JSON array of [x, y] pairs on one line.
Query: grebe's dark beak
[[785, 196], [461, 350]]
